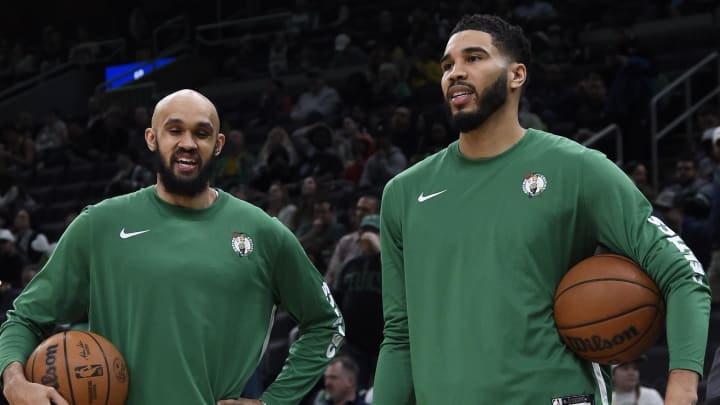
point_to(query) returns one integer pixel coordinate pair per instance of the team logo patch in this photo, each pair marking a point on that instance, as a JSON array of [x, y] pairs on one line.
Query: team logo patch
[[242, 244], [534, 184]]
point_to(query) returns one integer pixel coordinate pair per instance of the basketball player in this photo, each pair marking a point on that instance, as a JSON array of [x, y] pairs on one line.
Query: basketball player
[[183, 278], [476, 238]]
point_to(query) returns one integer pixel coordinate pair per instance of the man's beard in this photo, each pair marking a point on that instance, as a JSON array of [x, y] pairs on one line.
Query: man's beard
[[187, 187], [486, 105]]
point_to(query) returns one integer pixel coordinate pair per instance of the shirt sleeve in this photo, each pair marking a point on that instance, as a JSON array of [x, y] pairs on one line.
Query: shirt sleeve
[[622, 219], [393, 378], [57, 294], [300, 289]]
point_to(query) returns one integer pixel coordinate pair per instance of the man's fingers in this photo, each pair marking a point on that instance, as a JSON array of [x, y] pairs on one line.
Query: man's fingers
[[56, 398]]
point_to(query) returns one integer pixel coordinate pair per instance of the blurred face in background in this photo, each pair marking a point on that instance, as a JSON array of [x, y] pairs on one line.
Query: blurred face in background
[[626, 377]]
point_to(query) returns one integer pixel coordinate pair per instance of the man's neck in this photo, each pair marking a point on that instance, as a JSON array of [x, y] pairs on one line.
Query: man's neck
[[496, 135], [204, 199]]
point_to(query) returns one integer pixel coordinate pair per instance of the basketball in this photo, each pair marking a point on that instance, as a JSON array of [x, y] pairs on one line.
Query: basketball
[[84, 367], [607, 310]]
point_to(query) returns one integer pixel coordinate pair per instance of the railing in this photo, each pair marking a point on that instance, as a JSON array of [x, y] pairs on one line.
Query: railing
[[245, 28], [656, 134], [610, 130]]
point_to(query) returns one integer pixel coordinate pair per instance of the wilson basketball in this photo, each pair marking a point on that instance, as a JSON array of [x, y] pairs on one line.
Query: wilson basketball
[[84, 367], [607, 310]]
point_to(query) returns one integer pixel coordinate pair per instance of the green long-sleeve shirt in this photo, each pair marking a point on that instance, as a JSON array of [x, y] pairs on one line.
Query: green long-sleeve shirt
[[188, 296], [472, 251]]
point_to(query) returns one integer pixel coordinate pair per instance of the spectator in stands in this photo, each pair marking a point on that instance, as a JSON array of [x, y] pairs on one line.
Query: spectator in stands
[[425, 73], [627, 389], [276, 168], [322, 160], [358, 293], [236, 164], [17, 151], [590, 100], [682, 215], [638, 173], [390, 85], [11, 259], [8, 292], [317, 98], [694, 192], [386, 162], [320, 236], [435, 139], [131, 175], [30, 242], [707, 123], [341, 383], [274, 105], [51, 139], [309, 194], [349, 247], [277, 136], [279, 204], [362, 147], [345, 53]]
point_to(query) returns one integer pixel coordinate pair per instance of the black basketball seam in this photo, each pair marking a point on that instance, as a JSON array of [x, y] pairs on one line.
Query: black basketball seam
[[611, 317], [657, 314], [107, 366], [67, 367], [557, 296]]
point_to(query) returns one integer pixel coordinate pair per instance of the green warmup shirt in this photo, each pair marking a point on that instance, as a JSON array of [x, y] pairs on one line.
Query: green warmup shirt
[[187, 296], [472, 250]]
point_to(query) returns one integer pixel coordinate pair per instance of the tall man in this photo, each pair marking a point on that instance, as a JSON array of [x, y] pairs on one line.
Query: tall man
[[476, 237]]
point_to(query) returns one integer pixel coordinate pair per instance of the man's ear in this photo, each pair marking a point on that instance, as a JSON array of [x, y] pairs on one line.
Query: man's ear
[[219, 143], [150, 139], [518, 75]]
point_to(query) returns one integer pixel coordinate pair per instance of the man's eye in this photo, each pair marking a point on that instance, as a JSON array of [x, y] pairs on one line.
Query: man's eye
[[446, 66]]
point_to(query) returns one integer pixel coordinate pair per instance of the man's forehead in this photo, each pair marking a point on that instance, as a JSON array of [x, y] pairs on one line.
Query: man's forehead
[[462, 40], [188, 108]]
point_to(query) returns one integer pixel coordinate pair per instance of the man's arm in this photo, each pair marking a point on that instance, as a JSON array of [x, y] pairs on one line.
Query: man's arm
[[300, 289], [393, 377], [623, 222]]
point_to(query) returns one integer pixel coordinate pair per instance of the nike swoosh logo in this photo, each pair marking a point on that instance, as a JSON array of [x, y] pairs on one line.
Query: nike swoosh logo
[[125, 235], [423, 197]]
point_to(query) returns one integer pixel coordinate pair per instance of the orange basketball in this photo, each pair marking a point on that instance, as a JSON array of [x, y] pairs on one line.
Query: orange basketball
[[84, 367], [607, 310]]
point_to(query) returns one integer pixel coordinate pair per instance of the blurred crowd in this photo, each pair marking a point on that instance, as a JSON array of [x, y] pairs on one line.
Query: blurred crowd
[[318, 155]]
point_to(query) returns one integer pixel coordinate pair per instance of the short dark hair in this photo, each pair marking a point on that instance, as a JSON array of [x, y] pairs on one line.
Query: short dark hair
[[509, 39], [348, 363]]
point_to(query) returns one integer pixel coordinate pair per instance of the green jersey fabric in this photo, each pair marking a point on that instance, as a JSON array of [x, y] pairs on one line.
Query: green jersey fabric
[[188, 296], [472, 250]]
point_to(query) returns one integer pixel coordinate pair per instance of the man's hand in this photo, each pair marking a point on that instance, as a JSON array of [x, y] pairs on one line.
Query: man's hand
[[240, 401], [19, 391], [682, 388]]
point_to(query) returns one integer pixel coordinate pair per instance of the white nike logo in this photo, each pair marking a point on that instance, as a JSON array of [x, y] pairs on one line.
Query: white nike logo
[[423, 197], [125, 235]]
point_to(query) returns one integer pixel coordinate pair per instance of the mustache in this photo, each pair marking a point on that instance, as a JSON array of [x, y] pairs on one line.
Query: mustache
[[460, 83], [191, 153]]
